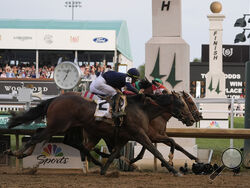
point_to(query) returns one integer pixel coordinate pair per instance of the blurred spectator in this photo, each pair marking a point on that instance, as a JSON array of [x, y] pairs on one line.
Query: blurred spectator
[[3, 75], [89, 72]]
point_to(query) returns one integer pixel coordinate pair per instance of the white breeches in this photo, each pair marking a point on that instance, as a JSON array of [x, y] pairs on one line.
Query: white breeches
[[99, 86]]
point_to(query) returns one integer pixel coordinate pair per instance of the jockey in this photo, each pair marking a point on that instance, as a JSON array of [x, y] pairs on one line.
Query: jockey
[[136, 85], [107, 83], [158, 86]]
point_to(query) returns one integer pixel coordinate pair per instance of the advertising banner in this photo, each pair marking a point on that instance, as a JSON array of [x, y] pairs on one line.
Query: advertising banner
[[47, 87], [51, 39], [54, 155], [214, 124]]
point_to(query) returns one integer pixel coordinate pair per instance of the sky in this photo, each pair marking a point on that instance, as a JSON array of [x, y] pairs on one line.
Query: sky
[[138, 15]]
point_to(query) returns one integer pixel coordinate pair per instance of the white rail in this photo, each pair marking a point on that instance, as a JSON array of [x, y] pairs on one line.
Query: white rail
[[232, 111]]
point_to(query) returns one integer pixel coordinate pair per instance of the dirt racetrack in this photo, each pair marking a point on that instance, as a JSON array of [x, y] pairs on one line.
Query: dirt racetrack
[[9, 177]]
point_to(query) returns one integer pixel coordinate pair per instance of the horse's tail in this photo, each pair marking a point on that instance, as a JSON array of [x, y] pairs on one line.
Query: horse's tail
[[31, 115]]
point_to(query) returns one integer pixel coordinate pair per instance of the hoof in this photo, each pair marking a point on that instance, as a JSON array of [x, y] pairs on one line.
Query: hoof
[[102, 172], [178, 174]]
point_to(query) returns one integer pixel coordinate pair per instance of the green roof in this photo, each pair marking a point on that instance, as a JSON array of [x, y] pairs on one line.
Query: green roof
[[120, 27]]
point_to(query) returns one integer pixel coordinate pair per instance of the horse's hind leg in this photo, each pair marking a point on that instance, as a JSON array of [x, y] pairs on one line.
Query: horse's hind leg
[[39, 136]]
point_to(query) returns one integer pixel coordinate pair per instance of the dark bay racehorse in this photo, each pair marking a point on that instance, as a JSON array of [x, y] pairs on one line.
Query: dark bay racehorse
[[157, 127], [69, 111]]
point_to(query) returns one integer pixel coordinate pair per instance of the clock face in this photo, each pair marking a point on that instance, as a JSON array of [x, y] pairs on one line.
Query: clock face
[[67, 75]]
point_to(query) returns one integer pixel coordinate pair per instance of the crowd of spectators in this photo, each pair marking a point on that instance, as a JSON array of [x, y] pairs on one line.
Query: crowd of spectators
[[89, 72], [26, 72]]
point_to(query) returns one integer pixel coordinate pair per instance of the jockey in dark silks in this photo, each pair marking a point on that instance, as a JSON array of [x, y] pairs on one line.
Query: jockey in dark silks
[[108, 83]]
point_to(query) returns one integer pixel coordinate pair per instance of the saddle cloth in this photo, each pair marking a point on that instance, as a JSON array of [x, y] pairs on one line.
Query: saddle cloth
[[103, 108]]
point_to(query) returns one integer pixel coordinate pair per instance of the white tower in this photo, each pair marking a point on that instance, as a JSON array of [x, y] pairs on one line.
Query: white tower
[[215, 77], [167, 58]]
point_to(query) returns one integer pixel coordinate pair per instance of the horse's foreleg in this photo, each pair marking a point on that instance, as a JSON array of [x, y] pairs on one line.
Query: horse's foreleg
[[144, 140], [189, 155], [139, 156], [168, 141]]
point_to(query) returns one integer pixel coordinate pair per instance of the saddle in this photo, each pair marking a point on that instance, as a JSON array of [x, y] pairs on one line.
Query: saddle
[[110, 110]]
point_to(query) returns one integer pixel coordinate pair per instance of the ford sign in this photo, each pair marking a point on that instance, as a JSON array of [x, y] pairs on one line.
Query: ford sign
[[100, 40]]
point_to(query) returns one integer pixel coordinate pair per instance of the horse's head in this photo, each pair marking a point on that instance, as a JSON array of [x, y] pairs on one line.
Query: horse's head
[[192, 106], [181, 110], [146, 85], [176, 106]]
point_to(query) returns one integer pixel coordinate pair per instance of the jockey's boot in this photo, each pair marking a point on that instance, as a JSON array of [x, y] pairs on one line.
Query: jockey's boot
[[115, 107]]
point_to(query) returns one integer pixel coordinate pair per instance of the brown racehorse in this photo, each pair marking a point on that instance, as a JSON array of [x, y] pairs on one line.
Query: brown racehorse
[[157, 126], [69, 111]]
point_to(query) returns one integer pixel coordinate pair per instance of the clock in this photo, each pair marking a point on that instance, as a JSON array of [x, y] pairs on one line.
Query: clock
[[67, 75]]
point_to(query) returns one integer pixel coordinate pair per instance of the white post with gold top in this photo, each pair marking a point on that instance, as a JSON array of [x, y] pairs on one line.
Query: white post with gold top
[[215, 78]]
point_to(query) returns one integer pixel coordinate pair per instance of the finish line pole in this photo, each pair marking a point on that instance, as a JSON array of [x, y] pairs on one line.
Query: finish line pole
[[246, 160]]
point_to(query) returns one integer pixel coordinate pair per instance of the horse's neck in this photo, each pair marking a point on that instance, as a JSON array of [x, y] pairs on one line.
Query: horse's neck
[[154, 111], [166, 116]]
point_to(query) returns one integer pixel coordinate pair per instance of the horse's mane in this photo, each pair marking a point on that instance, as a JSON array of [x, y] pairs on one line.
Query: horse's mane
[[161, 100], [144, 83], [135, 98]]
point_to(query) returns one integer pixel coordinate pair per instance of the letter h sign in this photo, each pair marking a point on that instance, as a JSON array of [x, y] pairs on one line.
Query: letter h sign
[[165, 5]]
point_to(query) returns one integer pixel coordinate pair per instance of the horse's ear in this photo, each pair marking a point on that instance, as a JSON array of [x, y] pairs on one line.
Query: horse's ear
[[146, 79], [175, 94], [185, 94]]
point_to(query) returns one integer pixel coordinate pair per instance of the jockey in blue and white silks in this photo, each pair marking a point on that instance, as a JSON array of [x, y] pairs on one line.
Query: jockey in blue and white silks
[[107, 83]]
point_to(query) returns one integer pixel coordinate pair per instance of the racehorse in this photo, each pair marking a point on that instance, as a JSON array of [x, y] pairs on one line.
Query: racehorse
[[157, 126], [69, 111]]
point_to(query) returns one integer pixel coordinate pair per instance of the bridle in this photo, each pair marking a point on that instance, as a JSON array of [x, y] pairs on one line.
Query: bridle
[[194, 113]]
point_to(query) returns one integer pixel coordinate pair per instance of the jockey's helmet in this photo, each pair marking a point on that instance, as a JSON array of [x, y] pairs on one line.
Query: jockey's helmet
[[133, 73], [158, 80]]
